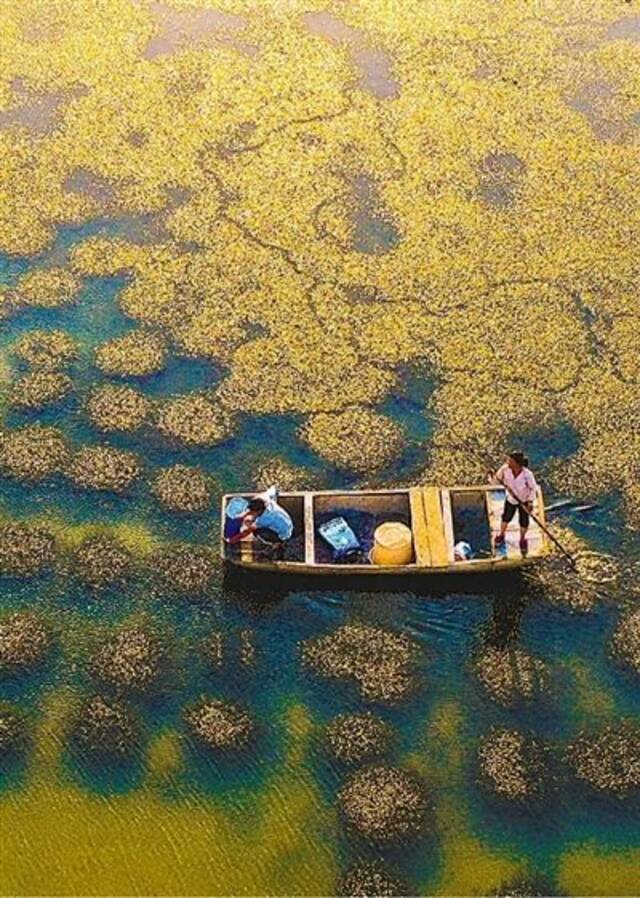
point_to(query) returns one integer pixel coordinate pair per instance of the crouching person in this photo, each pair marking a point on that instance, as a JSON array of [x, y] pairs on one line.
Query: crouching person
[[269, 523]]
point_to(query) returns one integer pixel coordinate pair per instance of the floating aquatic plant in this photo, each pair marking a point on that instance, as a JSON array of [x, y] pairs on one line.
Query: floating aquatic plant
[[355, 738], [385, 804], [213, 648], [39, 389], [25, 549], [580, 586], [511, 675], [47, 288], [511, 763], [357, 439], [32, 453], [287, 477], [608, 760], [105, 728], [248, 651], [101, 561], [116, 407], [381, 662], [626, 640], [220, 725], [371, 880], [182, 488], [136, 354], [46, 350], [130, 660], [104, 468], [194, 420], [12, 729], [185, 569], [24, 642]]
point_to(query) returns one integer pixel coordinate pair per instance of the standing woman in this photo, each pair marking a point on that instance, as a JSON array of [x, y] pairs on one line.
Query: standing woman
[[521, 487]]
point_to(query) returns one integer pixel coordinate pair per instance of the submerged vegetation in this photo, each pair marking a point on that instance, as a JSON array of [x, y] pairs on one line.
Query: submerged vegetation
[[185, 569], [369, 881], [106, 729], [131, 660], [12, 730]]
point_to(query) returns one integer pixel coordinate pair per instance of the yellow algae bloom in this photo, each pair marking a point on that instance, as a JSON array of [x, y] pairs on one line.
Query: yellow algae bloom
[[47, 288], [33, 453], [276, 471], [136, 354], [40, 388], [194, 420], [115, 407], [358, 439], [182, 488], [46, 349], [104, 468]]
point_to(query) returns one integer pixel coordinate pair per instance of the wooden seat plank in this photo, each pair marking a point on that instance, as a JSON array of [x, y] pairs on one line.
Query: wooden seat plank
[[419, 527], [435, 526]]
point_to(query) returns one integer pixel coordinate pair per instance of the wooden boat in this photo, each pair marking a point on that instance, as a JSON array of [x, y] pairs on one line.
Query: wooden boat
[[438, 519]]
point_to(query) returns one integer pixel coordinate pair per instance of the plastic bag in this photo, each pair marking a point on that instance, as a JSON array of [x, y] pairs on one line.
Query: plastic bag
[[339, 535]]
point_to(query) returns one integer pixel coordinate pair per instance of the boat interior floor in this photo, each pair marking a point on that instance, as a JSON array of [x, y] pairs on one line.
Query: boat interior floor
[[363, 513]]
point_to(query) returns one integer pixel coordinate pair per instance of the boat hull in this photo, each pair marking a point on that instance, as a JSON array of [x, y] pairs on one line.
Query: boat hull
[[440, 519], [491, 566]]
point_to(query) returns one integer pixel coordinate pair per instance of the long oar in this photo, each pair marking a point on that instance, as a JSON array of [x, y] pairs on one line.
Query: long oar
[[546, 530], [534, 517]]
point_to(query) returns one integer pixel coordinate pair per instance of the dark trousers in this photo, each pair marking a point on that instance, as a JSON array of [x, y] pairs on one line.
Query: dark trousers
[[271, 544], [510, 510]]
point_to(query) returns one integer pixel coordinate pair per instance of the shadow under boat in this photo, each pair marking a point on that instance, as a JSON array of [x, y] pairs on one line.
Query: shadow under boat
[[273, 586]]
